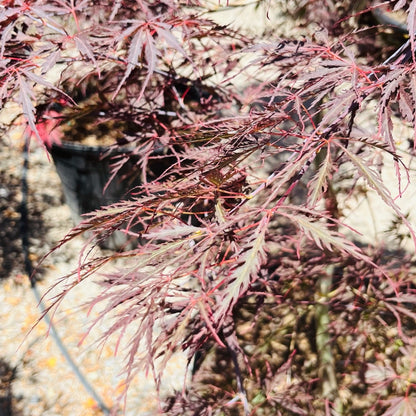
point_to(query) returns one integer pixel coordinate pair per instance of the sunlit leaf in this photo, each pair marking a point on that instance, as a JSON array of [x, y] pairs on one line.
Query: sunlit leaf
[[250, 261], [318, 185], [401, 406]]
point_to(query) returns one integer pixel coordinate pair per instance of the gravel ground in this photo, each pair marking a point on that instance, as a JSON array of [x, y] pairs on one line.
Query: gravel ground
[[35, 379]]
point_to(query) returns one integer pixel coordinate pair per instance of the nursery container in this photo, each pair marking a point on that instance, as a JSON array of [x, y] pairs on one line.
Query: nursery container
[[85, 172]]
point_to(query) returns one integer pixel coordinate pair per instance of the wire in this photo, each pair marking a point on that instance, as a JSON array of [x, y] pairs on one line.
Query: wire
[[30, 272]]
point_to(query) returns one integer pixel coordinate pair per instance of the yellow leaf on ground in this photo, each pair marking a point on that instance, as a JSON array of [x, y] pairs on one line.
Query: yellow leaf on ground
[[51, 362], [91, 408], [48, 362], [90, 403]]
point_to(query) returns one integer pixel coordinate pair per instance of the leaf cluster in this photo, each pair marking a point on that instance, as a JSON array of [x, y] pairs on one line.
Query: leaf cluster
[[144, 66]]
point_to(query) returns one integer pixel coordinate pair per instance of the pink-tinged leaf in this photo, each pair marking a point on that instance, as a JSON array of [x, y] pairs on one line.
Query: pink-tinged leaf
[[150, 52], [399, 5], [42, 81], [151, 60], [7, 12], [125, 34], [177, 337], [401, 406], [402, 310], [25, 97], [375, 182], [337, 109], [321, 79], [5, 36], [391, 82], [407, 107], [179, 231], [325, 238], [46, 132], [48, 128], [50, 61], [116, 8], [135, 51], [208, 322], [292, 406], [279, 181], [326, 70], [243, 275], [386, 124], [403, 298], [319, 183], [40, 16], [411, 26], [85, 48], [391, 86], [379, 375], [170, 39]]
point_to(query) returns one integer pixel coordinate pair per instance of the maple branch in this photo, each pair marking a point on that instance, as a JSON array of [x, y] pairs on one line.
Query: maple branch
[[235, 351], [327, 371]]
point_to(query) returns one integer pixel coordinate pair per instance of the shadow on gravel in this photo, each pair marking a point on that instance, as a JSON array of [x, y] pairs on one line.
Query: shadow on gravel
[[12, 262], [11, 252], [11, 255], [7, 375]]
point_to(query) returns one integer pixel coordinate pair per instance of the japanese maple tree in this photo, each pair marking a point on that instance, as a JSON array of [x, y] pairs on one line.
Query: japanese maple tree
[[244, 255]]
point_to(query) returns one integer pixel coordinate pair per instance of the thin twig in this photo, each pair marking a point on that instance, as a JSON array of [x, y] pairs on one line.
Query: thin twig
[[235, 351]]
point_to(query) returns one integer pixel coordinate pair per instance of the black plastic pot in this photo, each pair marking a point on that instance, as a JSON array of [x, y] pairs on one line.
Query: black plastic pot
[[85, 172]]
